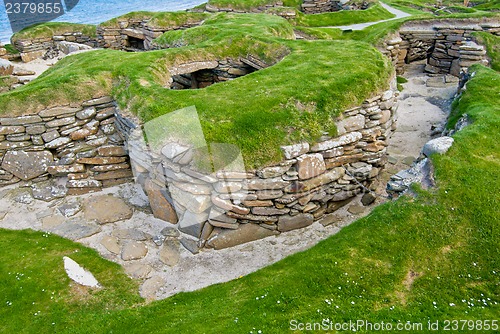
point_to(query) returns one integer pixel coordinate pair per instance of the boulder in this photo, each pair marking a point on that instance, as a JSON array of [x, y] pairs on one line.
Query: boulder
[[160, 203], [70, 47], [27, 165], [246, 233], [439, 145], [106, 209], [6, 67]]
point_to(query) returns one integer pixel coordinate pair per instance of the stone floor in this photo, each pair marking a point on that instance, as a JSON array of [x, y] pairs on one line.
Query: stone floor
[[117, 223]]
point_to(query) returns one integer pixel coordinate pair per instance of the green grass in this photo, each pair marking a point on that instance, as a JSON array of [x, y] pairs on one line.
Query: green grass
[[11, 49], [415, 259], [244, 5], [158, 19], [49, 29], [492, 43], [273, 116], [450, 6], [344, 17]]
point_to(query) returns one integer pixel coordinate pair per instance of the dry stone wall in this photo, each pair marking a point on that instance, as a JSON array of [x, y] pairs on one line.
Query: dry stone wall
[[134, 34], [447, 45], [229, 206], [78, 143], [320, 6], [32, 49]]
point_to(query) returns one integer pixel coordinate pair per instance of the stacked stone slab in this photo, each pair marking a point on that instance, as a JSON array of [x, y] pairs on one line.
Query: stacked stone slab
[[79, 143], [448, 45], [320, 6], [227, 207], [35, 48], [119, 37]]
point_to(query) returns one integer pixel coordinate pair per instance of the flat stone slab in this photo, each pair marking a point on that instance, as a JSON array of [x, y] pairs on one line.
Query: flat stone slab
[[27, 165], [134, 250], [106, 209], [78, 274], [76, 230]]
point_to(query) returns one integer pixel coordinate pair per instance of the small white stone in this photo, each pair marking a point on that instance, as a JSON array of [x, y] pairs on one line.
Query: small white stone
[[78, 274]]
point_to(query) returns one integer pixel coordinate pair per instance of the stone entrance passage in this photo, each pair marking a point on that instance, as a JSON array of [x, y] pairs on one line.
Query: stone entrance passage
[[205, 74]]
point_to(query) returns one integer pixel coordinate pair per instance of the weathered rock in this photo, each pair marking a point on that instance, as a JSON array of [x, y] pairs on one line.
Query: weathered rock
[[227, 205], [131, 234], [160, 204], [106, 209], [97, 101], [6, 67], [172, 150], [190, 245], [323, 179], [267, 184], [7, 130], [21, 120], [192, 223], [27, 165], [368, 199], [439, 145], [194, 203], [340, 141], [111, 244], [350, 124], [101, 160], [170, 232], [138, 270], [151, 286], [70, 47], [170, 252], [134, 250], [58, 111], [119, 174], [69, 209], [56, 143], [76, 230], [288, 223], [112, 151], [246, 233], [271, 172], [310, 165], [52, 221], [293, 151], [65, 170], [47, 192]]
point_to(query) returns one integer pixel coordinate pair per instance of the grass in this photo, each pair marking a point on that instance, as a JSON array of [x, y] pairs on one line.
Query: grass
[[275, 115], [492, 43], [429, 258], [343, 17], [444, 7], [49, 29], [244, 5], [158, 19], [432, 257]]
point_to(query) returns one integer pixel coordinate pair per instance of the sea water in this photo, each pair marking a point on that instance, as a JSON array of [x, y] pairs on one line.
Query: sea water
[[97, 11]]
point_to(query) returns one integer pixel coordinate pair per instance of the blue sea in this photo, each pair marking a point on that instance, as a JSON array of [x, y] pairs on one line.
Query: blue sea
[[97, 11]]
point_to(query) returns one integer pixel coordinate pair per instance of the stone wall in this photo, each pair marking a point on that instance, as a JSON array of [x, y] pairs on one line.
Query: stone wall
[[32, 49], [447, 45], [134, 34], [320, 6], [79, 143], [229, 205]]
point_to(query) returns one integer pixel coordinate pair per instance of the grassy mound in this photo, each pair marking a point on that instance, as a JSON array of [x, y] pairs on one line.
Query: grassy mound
[[158, 19], [258, 112], [49, 29]]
